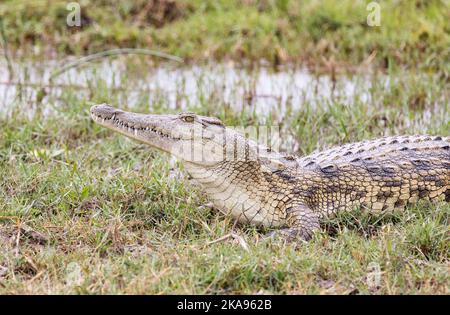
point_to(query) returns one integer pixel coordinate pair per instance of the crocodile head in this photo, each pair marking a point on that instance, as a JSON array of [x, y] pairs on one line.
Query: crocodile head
[[192, 138], [238, 174]]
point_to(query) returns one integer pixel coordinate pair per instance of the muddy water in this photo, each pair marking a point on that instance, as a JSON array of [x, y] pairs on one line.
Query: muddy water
[[261, 90]]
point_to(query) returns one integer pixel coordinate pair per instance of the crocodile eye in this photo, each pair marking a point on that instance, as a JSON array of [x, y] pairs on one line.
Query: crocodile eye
[[188, 119]]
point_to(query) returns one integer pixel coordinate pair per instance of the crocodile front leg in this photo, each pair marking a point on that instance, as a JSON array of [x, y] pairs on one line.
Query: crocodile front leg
[[302, 222]]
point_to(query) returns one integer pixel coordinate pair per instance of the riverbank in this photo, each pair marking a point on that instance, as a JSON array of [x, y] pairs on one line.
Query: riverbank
[[87, 211], [319, 34]]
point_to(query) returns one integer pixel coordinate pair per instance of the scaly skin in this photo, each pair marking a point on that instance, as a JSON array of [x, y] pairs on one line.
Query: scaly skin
[[258, 186]]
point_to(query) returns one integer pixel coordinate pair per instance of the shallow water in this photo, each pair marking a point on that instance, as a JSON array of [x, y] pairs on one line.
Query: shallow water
[[214, 88], [261, 90]]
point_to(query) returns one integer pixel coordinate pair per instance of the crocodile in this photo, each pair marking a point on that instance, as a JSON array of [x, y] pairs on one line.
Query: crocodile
[[288, 194]]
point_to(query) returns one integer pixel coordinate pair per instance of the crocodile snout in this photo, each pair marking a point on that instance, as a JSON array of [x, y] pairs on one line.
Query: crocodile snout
[[104, 111]]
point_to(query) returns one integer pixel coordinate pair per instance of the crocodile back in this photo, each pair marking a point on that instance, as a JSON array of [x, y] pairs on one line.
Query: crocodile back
[[381, 174], [383, 149]]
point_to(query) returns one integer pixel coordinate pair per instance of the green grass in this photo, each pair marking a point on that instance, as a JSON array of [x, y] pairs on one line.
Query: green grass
[[412, 33], [84, 210]]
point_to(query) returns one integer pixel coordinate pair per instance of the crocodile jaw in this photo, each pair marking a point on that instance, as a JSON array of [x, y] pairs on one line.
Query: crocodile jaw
[[192, 138], [150, 129]]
